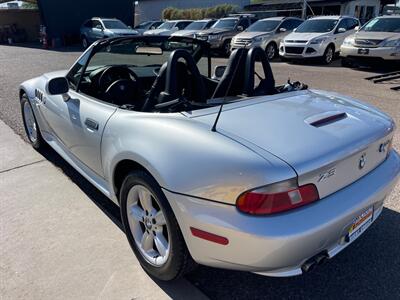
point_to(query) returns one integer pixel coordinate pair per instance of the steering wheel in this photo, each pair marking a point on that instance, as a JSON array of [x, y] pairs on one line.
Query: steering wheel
[[114, 73]]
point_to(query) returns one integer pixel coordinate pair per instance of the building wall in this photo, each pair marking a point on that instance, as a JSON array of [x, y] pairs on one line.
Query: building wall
[[28, 20], [63, 18], [353, 8], [152, 9]]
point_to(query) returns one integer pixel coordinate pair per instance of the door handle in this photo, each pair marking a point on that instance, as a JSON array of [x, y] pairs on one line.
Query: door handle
[[91, 124]]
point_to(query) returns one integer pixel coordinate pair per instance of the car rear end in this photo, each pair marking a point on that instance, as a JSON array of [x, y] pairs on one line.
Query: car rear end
[[341, 151]]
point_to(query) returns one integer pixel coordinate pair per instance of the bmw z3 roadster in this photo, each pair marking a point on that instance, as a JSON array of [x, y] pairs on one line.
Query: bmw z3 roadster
[[215, 165]]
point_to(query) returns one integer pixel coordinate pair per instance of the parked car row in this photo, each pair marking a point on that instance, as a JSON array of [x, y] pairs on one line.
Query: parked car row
[[291, 38]]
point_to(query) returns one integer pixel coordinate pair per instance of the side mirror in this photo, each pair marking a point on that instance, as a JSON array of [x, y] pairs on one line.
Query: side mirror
[[152, 27], [99, 27], [357, 28], [282, 29], [219, 72], [240, 28], [58, 86], [294, 30], [130, 27], [341, 30], [175, 28]]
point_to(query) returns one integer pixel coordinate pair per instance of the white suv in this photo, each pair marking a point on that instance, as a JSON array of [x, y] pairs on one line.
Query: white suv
[[318, 37], [378, 40]]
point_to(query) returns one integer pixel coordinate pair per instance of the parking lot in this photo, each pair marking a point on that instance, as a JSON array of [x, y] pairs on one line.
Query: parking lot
[[370, 268]]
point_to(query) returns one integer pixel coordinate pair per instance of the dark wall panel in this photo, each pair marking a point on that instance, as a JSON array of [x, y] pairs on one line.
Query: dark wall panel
[[64, 17]]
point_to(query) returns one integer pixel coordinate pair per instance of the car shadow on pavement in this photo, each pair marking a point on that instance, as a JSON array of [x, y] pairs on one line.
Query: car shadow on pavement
[[367, 269]]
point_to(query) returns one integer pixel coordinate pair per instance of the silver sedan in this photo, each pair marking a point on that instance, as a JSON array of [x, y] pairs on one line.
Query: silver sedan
[[221, 170]]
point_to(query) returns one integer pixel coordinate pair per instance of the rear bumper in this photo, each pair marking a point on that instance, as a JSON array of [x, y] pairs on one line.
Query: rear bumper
[[279, 245], [384, 53]]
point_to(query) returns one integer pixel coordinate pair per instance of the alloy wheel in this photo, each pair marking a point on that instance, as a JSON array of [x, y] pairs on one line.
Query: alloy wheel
[[30, 122], [271, 51], [329, 55], [148, 225]]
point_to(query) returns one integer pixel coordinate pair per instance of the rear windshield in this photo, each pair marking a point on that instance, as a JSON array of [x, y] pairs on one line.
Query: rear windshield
[[383, 25], [263, 26], [321, 25]]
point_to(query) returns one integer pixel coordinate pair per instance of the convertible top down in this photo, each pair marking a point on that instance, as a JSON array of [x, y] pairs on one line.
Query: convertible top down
[[226, 169]]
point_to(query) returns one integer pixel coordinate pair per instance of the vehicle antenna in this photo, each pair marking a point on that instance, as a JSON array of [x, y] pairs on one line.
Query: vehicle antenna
[[214, 127]]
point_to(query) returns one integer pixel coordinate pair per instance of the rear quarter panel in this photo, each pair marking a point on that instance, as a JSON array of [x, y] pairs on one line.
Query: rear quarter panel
[[184, 156]]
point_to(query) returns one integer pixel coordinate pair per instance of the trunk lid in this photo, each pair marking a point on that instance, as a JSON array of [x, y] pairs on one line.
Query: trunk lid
[[322, 136]]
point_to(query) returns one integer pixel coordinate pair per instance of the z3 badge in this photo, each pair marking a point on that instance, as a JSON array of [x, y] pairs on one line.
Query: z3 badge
[[326, 175]]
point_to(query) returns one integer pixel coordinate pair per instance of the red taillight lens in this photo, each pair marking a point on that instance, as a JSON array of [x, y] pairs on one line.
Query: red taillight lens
[[261, 203]]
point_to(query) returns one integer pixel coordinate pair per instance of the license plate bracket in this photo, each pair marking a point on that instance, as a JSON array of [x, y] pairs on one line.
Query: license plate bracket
[[363, 51], [361, 223]]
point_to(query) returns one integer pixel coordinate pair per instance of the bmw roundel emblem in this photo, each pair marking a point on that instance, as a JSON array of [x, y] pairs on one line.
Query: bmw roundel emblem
[[362, 161]]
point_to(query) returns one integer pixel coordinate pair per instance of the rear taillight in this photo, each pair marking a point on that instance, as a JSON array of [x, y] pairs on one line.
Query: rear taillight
[[270, 200]]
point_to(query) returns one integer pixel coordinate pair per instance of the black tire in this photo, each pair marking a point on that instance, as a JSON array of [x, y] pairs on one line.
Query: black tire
[[38, 143], [179, 261], [328, 56], [226, 48], [345, 62], [271, 48], [85, 42]]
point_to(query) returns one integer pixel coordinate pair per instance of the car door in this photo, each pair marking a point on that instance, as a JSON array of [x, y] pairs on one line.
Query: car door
[[77, 121], [87, 119], [283, 30], [340, 36], [97, 31]]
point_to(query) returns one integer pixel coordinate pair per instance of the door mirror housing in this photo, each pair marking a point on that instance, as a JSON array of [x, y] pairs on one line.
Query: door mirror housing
[[341, 30], [99, 27], [240, 28], [357, 28], [58, 86], [219, 72], [294, 30], [282, 29]]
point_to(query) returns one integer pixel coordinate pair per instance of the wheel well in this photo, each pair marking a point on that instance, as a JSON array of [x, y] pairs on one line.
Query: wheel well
[[21, 93], [122, 169], [333, 46]]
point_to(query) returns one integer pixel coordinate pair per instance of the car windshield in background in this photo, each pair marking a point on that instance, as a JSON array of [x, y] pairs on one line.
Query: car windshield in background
[[383, 25], [225, 23], [167, 25], [263, 26], [196, 26], [322, 25], [114, 24], [143, 25], [139, 54]]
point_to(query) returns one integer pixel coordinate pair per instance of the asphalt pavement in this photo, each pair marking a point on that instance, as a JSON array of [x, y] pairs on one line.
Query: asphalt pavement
[[370, 268]]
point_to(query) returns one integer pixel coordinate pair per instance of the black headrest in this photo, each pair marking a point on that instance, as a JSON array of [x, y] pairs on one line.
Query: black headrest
[[232, 81], [267, 84]]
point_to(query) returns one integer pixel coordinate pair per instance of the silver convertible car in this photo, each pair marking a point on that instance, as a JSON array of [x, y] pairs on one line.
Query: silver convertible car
[[228, 169]]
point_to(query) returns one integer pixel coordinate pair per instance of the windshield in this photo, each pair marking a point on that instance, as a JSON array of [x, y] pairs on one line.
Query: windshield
[[114, 24], [167, 25], [321, 25], [383, 25], [225, 23], [143, 25], [196, 26], [263, 26]]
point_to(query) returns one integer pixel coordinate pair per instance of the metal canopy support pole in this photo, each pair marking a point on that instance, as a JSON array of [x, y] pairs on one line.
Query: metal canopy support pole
[[304, 12]]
